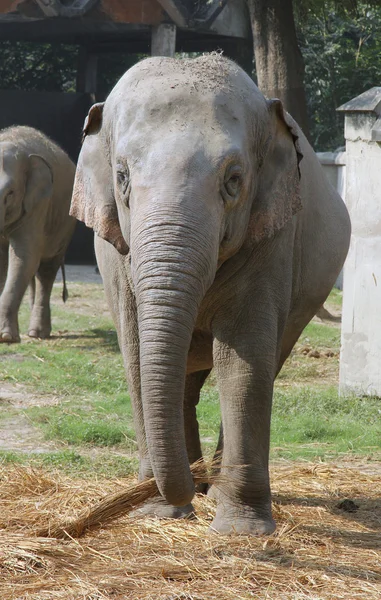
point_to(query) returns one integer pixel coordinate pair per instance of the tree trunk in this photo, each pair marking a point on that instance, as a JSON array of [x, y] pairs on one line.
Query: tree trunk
[[279, 63]]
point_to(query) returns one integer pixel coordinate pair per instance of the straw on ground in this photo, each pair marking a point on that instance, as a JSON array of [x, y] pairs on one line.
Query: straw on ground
[[318, 552]]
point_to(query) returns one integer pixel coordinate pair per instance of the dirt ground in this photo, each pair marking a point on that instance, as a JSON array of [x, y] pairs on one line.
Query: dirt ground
[[17, 433], [327, 545]]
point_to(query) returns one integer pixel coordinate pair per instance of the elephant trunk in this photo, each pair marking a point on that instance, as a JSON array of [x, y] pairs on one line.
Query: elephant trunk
[[174, 260]]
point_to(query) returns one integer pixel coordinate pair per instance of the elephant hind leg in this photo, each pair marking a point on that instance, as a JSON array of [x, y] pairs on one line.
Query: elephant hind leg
[[40, 320], [193, 385], [297, 321], [32, 292]]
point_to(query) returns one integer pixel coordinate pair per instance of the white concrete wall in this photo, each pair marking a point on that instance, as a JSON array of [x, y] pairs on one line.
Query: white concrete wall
[[360, 359], [334, 167]]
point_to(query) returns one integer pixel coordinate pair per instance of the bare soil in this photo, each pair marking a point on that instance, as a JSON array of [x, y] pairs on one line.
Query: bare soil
[[16, 431]]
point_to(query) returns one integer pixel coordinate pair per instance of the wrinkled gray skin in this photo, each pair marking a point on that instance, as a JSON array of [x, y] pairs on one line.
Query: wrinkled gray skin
[[221, 252], [36, 182]]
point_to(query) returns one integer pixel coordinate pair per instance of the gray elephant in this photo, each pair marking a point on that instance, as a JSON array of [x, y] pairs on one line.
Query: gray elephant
[[223, 240], [36, 182]]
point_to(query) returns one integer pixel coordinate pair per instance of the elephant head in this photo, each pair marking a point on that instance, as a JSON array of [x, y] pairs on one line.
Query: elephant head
[[184, 165], [25, 180]]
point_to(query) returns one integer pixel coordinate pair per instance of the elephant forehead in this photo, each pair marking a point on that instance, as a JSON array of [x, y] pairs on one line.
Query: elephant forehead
[[182, 122], [175, 149], [180, 93]]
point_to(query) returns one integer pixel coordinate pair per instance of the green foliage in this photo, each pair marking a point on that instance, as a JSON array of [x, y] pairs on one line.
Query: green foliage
[[341, 46], [53, 67], [30, 67]]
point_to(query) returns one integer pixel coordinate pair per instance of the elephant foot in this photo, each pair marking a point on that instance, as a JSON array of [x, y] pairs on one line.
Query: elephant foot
[[160, 508], [39, 333], [242, 519], [40, 324], [7, 337]]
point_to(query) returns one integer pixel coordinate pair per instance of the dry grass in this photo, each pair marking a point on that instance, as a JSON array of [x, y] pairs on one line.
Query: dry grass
[[113, 506], [318, 552]]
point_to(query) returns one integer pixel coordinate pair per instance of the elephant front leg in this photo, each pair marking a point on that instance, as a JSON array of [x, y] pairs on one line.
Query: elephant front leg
[[245, 377], [23, 263]]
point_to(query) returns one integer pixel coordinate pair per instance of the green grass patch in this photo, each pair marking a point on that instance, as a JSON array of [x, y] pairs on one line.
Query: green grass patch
[[318, 423], [67, 366], [82, 368], [98, 422], [309, 423], [335, 299], [321, 336]]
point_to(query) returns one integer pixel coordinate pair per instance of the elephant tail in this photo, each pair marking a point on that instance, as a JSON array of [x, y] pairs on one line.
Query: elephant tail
[[65, 293]]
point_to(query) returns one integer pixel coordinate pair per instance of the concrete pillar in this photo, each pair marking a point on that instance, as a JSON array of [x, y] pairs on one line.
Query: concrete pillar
[[360, 359], [87, 71], [163, 40]]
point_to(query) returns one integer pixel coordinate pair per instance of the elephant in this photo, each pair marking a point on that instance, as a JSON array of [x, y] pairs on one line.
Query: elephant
[[218, 238], [36, 182]]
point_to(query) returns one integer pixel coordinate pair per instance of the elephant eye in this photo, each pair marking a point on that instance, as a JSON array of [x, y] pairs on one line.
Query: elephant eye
[[233, 182], [123, 178]]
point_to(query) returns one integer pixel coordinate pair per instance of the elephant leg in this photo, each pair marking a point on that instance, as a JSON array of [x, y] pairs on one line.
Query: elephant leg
[[23, 264], [40, 320], [4, 250], [245, 364]]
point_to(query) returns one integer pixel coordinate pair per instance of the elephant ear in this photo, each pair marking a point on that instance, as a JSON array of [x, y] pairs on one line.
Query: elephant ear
[[93, 199], [39, 182], [278, 190]]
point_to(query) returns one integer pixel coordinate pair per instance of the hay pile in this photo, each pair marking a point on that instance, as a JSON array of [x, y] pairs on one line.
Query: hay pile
[[320, 551]]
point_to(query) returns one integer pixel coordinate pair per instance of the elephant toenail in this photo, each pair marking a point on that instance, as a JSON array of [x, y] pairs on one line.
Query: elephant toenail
[[6, 337]]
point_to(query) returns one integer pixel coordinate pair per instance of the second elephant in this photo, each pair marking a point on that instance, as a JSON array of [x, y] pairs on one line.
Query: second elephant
[[36, 181]]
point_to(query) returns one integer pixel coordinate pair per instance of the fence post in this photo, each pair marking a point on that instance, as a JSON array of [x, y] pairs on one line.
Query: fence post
[[163, 40]]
